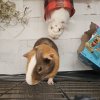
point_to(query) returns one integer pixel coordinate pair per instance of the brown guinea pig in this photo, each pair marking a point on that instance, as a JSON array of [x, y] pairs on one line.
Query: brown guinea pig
[[43, 62]]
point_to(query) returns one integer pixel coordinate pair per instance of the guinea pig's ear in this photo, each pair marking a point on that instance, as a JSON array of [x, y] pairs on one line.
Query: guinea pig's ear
[[49, 56], [29, 54], [36, 48]]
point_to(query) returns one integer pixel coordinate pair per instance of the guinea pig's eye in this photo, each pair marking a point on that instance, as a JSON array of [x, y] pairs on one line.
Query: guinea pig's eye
[[39, 69], [47, 61], [59, 29]]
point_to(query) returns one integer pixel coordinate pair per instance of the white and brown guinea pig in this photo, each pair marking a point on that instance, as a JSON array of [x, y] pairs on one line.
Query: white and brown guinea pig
[[57, 15], [43, 62]]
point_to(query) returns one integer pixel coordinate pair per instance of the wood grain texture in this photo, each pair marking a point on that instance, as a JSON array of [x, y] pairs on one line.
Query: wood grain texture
[[15, 41]]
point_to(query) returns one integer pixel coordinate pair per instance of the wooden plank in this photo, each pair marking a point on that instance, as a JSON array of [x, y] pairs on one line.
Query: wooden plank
[[14, 41], [87, 7], [77, 26], [38, 28]]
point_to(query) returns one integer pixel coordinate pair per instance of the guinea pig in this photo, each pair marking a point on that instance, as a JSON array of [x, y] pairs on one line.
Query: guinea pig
[[57, 15], [43, 62]]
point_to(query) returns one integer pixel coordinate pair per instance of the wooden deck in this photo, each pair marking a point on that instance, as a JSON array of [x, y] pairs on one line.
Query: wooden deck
[[15, 41]]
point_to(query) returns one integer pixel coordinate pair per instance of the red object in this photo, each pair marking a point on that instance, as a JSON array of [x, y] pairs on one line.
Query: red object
[[94, 43], [51, 5]]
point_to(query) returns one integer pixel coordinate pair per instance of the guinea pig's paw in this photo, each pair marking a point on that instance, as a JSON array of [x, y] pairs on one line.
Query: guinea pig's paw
[[50, 81], [55, 29]]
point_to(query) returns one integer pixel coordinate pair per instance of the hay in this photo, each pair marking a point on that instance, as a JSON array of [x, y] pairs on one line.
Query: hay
[[9, 14]]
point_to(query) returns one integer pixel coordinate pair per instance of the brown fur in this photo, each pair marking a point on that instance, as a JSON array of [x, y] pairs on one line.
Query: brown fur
[[47, 59]]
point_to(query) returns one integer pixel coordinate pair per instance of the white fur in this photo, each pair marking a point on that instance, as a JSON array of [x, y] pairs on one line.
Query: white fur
[[50, 81], [57, 22], [31, 66]]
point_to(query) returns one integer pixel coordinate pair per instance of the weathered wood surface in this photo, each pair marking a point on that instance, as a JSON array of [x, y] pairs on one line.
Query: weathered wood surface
[[14, 41]]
